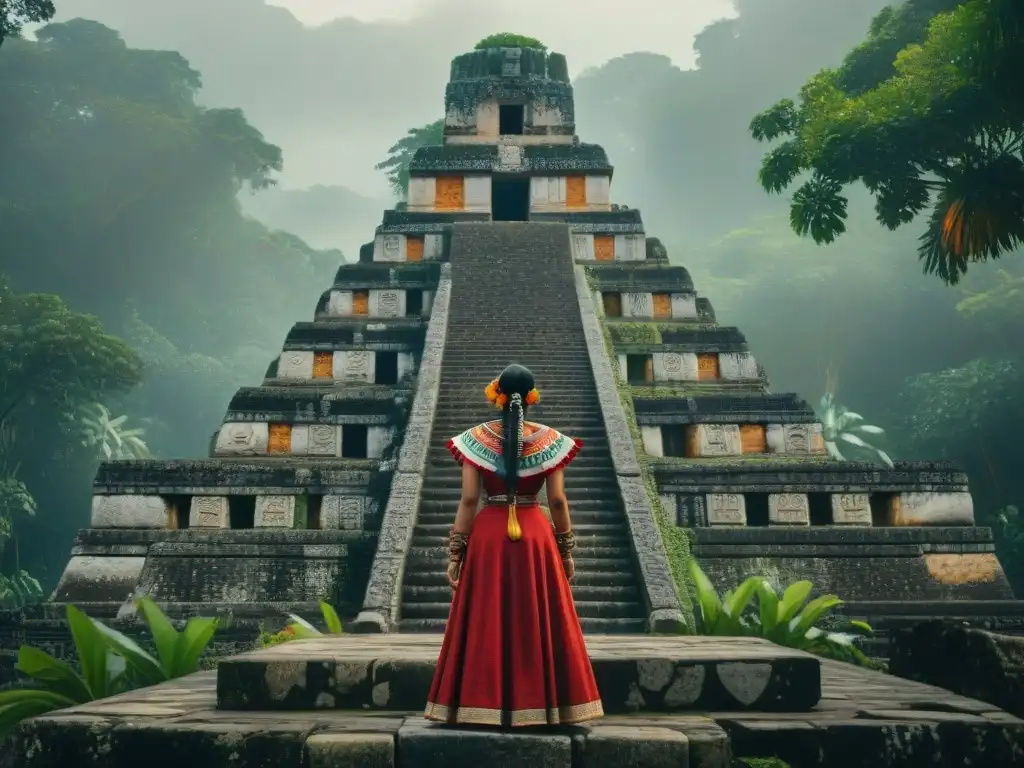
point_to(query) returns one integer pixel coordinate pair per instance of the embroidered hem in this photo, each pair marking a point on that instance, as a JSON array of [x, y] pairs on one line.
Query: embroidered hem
[[568, 715]]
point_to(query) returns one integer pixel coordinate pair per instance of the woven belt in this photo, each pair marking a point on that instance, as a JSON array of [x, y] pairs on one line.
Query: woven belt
[[520, 501]]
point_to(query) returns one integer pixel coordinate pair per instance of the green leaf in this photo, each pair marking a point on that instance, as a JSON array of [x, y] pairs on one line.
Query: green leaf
[[870, 429], [25, 694], [57, 676], [707, 597], [777, 120], [792, 599], [192, 643], [737, 602], [863, 626], [819, 209], [814, 610], [780, 167], [165, 636], [768, 605], [145, 668], [92, 651], [331, 618], [14, 713]]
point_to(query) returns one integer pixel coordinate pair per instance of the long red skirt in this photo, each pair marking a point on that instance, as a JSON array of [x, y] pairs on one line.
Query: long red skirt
[[513, 651]]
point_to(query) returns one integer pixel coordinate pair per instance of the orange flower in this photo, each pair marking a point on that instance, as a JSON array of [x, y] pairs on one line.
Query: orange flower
[[491, 391], [532, 397], [501, 401]]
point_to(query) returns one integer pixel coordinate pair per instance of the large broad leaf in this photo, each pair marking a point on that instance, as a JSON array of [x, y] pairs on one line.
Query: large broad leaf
[[854, 440], [92, 652], [737, 602], [13, 713], [707, 597], [818, 208], [768, 605], [792, 599], [301, 628], [146, 669], [813, 612], [165, 636], [870, 429], [191, 645], [331, 618], [57, 676]]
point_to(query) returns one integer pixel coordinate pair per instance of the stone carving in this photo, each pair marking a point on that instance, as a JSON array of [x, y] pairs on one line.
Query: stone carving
[[391, 248], [934, 509], [794, 439], [583, 247], [745, 681], [356, 366], [433, 246], [726, 509], [387, 304], [209, 512], [693, 510], [510, 154], [324, 440], [733, 366], [851, 509], [511, 66], [789, 509], [674, 366], [345, 513], [718, 440], [295, 365], [129, 511], [629, 248], [639, 305], [275, 512], [339, 304], [242, 439]]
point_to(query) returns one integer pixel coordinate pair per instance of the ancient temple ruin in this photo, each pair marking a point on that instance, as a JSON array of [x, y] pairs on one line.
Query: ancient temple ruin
[[330, 480]]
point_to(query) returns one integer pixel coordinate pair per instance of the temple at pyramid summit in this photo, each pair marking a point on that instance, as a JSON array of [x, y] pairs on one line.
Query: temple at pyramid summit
[[330, 479]]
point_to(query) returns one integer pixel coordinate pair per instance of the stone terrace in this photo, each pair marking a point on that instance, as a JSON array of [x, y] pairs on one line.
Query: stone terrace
[[862, 718]]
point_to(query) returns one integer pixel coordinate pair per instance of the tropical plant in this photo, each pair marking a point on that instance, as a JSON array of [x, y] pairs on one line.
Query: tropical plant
[[838, 424], [789, 621], [19, 589], [400, 154], [106, 435], [509, 40], [109, 663], [13, 15], [300, 629]]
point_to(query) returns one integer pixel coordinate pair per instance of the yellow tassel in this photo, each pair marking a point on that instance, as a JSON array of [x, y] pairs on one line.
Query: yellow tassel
[[515, 533]]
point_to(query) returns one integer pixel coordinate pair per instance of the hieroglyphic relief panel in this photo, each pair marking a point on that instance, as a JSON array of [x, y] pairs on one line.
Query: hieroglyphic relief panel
[[795, 439], [387, 302], [280, 439], [583, 248], [275, 512], [576, 192], [675, 366], [389, 248], [450, 193], [737, 365], [295, 365], [684, 306], [851, 509], [638, 305], [789, 509], [324, 440], [726, 509], [357, 366], [346, 513], [713, 440], [209, 512], [242, 439], [707, 367]]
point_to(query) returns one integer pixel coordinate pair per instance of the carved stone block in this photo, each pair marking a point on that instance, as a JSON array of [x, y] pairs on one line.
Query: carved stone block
[[583, 247], [275, 512], [345, 513], [339, 304], [355, 366], [717, 440], [242, 439], [651, 437], [389, 248], [734, 365], [795, 439], [851, 509], [295, 364], [638, 305], [674, 366], [324, 440], [209, 512], [129, 511], [931, 508], [726, 509], [789, 509], [510, 154], [388, 302], [684, 306]]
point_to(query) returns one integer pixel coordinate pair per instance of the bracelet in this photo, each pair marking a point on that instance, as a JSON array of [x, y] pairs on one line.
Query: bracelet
[[457, 543], [566, 543]]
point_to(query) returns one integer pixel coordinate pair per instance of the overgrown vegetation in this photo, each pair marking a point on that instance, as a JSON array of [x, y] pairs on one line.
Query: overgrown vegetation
[[299, 629], [509, 40]]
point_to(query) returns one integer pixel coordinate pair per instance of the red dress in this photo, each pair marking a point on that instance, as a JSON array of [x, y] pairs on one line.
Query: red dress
[[513, 651]]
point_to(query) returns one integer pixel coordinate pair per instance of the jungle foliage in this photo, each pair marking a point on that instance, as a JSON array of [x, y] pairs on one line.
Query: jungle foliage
[[509, 40]]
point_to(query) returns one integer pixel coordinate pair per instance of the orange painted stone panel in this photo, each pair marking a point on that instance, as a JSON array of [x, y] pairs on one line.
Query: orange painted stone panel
[[604, 247], [612, 304], [648, 369], [360, 302], [323, 365], [692, 442], [414, 248], [662, 306], [576, 192], [982, 568], [707, 367], [753, 438], [451, 193], [280, 438]]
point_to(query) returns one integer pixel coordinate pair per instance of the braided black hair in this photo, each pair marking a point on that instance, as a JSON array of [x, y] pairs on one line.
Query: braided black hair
[[515, 382]]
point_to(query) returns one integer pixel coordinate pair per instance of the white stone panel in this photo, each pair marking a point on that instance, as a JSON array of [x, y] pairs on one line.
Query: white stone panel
[[275, 512], [851, 509], [242, 439], [323, 440], [726, 509], [733, 366], [651, 436], [339, 304], [477, 193], [433, 247], [390, 248], [488, 119], [129, 511], [545, 116], [345, 513], [789, 509], [630, 248], [583, 247], [598, 191], [422, 192], [295, 364], [300, 439], [794, 439], [623, 367], [406, 365], [355, 366], [718, 440], [377, 441], [547, 192], [931, 508], [684, 306], [675, 366], [638, 305], [83, 571], [209, 512], [387, 302]]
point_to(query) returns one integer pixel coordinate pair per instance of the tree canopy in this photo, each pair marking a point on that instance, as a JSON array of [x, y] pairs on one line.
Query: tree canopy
[[509, 40], [16, 13], [400, 154], [943, 131]]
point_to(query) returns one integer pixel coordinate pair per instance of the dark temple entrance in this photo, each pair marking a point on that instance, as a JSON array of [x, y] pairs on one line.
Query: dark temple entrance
[[510, 198]]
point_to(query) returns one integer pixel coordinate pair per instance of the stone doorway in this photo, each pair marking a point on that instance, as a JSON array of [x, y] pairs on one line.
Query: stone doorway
[[510, 198]]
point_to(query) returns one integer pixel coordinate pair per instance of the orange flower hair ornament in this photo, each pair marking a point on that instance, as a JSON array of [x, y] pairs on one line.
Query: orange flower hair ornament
[[499, 399]]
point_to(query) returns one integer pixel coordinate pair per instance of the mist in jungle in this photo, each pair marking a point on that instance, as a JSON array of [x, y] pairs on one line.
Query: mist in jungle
[[143, 199]]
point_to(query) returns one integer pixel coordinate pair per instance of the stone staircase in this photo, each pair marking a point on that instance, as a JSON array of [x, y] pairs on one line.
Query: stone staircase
[[514, 300]]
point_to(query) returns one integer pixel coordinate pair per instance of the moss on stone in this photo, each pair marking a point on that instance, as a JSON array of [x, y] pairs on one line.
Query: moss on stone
[[759, 762], [690, 390], [635, 333], [747, 460], [509, 40]]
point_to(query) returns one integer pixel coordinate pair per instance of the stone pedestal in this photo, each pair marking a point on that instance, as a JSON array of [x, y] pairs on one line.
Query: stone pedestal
[[209, 512], [851, 509], [789, 509], [726, 509]]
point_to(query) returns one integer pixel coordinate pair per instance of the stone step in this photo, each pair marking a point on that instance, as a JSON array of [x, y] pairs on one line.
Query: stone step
[[590, 626], [583, 578], [609, 517], [589, 476], [584, 531], [580, 592], [608, 504], [609, 559], [448, 493], [590, 542], [596, 610]]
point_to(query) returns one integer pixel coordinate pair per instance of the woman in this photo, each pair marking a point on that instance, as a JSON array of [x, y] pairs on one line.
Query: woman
[[513, 652]]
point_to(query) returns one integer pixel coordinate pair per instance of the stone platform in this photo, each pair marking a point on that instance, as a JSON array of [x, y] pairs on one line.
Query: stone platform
[[863, 718], [634, 674]]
